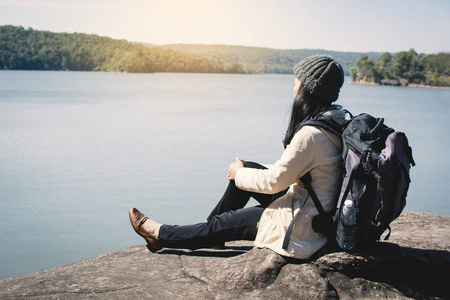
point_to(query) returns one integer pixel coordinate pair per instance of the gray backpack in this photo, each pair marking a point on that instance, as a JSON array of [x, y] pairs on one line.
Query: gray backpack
[[376, 164]]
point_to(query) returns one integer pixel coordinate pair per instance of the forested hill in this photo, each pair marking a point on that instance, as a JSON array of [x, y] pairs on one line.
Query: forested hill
[[266, 60], [28, 49]]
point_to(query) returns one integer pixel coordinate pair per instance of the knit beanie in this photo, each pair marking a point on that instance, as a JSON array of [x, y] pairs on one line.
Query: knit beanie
[[322, 76]]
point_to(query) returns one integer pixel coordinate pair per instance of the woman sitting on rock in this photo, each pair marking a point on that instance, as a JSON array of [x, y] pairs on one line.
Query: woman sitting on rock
[[276, 187]]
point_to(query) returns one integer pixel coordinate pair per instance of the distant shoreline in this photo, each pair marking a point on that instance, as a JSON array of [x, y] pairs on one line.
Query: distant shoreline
[[351, 82], [409, 85]]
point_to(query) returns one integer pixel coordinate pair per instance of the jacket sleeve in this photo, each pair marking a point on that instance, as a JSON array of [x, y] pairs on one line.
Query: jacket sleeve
[[300, 156]]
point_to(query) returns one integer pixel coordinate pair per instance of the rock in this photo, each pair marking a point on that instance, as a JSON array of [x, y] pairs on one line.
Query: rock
[[391, 82], [413, 264]]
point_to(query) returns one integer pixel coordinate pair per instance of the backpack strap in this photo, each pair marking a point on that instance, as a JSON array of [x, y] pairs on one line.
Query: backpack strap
[[306, 180], [324, 123], [287, 237], [327, 123]]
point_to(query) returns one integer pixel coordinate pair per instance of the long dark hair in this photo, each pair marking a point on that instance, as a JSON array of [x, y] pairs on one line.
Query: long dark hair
[[305, 107]]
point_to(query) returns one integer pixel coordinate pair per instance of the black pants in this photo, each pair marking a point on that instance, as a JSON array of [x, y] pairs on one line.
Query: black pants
[[229, 220]]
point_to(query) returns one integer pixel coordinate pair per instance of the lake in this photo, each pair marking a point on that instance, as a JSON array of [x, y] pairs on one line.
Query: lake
[[78, 149]]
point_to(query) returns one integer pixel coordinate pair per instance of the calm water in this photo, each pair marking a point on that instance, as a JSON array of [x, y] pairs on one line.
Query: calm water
[[78, 149]]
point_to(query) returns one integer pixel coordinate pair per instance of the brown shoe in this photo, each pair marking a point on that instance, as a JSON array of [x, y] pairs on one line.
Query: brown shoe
[[137, 219]]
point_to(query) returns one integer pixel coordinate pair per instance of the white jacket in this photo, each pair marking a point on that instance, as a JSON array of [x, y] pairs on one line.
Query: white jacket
[[311, 149]]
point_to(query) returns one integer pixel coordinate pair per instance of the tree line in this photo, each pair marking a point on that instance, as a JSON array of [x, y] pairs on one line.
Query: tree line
[[404, 68], [28, 49], [266, 60]]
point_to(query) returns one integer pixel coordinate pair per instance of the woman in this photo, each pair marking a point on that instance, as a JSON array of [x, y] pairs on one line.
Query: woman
[[276, 187]]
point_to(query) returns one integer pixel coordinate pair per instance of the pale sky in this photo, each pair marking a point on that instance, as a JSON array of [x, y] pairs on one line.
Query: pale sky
[[341, 25]]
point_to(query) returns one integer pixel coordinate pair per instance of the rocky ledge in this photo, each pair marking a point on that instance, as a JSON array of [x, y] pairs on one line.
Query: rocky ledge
[[415, 263]]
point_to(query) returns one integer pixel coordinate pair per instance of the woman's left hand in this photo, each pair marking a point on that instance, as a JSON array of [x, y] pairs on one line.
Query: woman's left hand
[[234, 167]]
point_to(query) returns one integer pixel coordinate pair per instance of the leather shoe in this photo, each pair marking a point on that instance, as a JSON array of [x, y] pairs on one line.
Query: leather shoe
[[137, 219]]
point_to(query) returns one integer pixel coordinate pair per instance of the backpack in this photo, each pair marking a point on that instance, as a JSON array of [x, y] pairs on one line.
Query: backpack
[[376, 164]]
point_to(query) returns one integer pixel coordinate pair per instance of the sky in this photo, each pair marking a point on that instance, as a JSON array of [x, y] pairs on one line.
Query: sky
[[340, 25]]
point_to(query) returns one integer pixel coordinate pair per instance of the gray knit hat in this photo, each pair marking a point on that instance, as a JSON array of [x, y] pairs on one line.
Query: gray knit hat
[[321, 75]]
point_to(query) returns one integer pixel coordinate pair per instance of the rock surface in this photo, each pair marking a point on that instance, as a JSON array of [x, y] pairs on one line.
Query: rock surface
[[413, 264]]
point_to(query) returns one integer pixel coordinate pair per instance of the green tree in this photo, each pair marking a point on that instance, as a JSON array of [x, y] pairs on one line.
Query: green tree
[[405, 64], [353, 73], [367, 70], [384, 65]]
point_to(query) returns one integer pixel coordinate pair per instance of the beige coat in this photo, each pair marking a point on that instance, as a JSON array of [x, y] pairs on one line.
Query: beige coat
[[312, 149]]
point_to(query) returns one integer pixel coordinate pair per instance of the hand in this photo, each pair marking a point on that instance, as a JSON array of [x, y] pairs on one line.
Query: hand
[[234, 167]]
